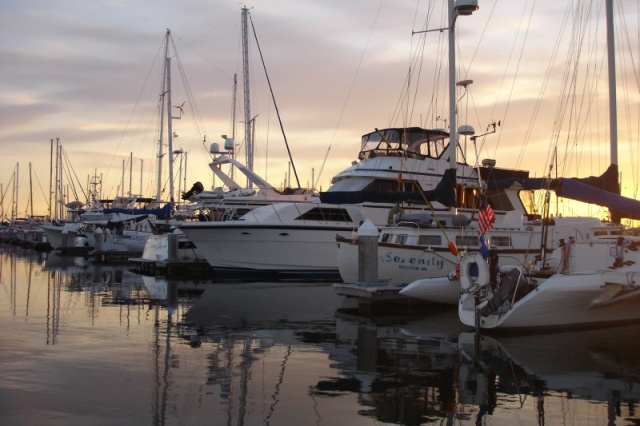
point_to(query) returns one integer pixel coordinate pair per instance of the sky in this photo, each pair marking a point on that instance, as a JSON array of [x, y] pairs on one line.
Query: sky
[[89, 75]]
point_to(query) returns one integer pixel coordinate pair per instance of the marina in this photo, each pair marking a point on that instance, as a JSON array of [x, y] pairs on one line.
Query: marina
[[432, 274], [87, 343]]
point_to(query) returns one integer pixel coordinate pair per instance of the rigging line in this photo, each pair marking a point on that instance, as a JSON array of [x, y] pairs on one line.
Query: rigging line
[[515, 74], [571, 75], [69, 172], [353, 80], [255, 35], [404, 98], [198, 122], [197, 39], [542, 90], [624, 36], [153, 65]]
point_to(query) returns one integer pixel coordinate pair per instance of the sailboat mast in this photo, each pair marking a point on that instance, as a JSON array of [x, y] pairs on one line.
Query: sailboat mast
[[613, 109], [30, 190], [453, 139], [17, 188], [233, 119], [169, 130], [162, 102], [247, 104], [50, 178], [56, 194]]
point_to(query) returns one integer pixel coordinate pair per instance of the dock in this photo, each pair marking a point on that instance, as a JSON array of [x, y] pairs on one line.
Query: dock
[[199, 268], [115, 256], [373, 292]]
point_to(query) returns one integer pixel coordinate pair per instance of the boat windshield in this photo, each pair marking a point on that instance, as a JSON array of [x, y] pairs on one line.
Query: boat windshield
[[412, 142]]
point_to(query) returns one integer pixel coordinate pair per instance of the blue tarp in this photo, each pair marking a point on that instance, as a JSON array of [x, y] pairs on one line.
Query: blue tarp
[[161, 213]]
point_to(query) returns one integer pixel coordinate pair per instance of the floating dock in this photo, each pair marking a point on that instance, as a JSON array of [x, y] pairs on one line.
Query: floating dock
[[115, 256], [173, 268]]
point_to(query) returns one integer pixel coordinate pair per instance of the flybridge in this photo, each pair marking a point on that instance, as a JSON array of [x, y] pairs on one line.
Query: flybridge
[[403, 142]]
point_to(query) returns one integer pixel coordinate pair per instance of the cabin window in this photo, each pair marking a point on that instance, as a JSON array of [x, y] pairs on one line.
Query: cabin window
[[326, 214], [382, 185], [401, 239], [389, 185], [429, 240], [499, 200], [467, 240], [501, 241], [384, 238]]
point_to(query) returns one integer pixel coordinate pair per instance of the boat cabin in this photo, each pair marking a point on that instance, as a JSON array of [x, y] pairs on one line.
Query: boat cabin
[[411, 142]]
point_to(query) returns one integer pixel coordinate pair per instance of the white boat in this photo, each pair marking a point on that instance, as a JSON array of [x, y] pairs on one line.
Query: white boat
[[582, 284], [417, 247], [395, 165], [281, 237], [369, 187], [445, 287], [227, 202]]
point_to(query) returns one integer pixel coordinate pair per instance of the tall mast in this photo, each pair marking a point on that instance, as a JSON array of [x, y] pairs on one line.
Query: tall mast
[[30, 190], [613, 109], [233, 119], [453, 135], [169, 130], [247, 105], [130, 174], [162, 103], [57, 182], [50, 178], [16, 195]]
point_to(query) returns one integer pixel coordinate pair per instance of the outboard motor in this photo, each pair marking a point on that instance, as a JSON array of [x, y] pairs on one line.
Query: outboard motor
[[195, 190]]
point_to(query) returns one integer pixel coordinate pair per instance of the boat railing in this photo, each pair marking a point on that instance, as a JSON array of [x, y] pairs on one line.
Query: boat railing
[[390, 152]]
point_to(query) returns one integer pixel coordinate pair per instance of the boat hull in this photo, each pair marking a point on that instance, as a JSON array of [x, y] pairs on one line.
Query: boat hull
[[437, 290], [560, 301], [257, 247]]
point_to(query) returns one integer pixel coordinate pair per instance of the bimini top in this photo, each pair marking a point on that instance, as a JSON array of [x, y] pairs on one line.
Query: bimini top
[[414, 142]]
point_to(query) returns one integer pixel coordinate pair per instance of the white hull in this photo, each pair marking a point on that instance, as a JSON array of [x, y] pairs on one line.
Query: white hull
[[592, 292], [57, 239], [560, 301], [437, 290], [271, 248], [406, 262], [282, 237], [399, 265]]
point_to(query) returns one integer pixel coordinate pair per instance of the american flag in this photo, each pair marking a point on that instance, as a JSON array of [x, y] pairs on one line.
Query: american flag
[[485, 215]]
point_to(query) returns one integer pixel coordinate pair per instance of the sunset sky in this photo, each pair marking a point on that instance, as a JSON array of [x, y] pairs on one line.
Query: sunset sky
[[89, 73]]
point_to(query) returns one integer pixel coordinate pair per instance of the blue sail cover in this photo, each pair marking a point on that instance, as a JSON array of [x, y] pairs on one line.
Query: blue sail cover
[[161, 213], [599, 190]]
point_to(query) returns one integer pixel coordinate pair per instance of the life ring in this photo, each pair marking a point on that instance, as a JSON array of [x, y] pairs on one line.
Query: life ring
[[466, 282]]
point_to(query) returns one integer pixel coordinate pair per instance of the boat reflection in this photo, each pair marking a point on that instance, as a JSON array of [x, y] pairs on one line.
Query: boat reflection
[[274, 352], [599, 366]]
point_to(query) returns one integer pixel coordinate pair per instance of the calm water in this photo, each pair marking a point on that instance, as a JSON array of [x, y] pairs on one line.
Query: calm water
[[87, 344]]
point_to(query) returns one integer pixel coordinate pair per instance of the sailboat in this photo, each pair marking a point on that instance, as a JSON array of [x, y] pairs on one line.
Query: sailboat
[[230, 201], [582, 283]]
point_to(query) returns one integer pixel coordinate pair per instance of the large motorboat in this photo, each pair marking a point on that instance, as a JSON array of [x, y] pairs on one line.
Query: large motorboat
[[446, 287], [406, 167], [417, 247]]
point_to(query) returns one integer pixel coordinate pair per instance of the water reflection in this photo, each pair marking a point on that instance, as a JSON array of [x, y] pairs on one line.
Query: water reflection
[[182, 351]]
